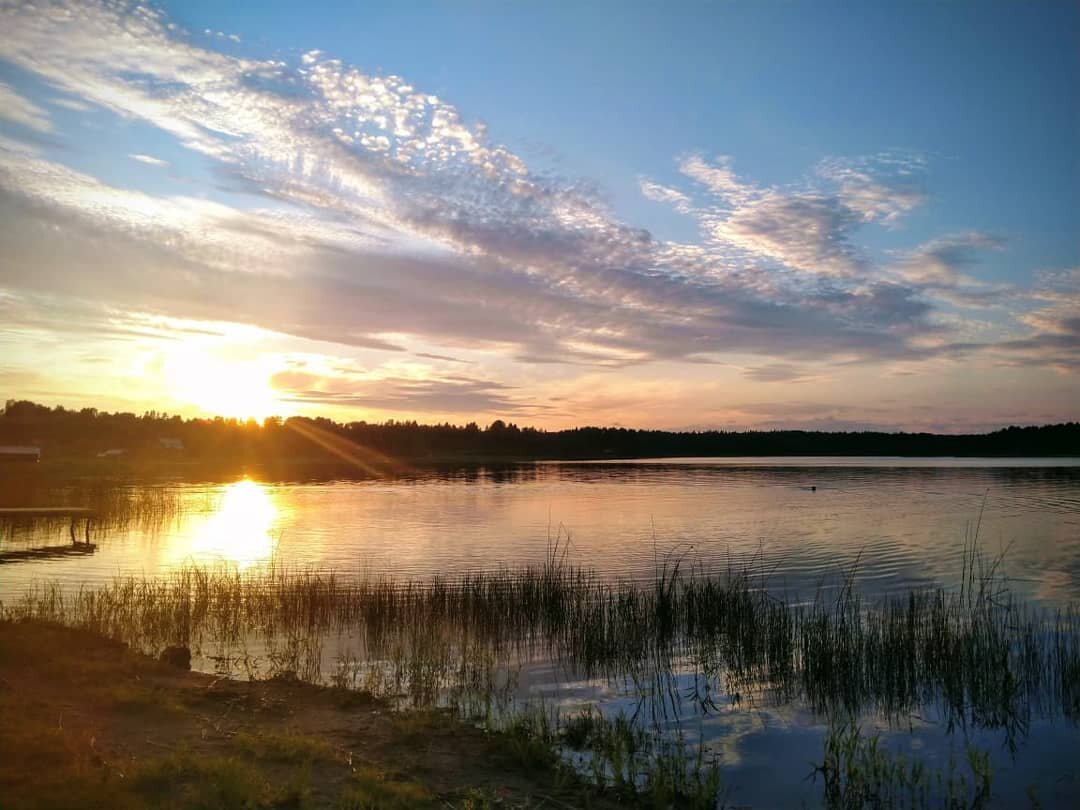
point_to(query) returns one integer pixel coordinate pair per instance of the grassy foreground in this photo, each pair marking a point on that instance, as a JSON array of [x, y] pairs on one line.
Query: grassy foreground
[[87, 722], [685, 645]]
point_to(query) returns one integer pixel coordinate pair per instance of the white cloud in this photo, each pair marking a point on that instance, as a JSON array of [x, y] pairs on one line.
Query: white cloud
[[883, 188], [664, 194], [148, 160], [388, 212], [718, 178], [806, 231], [71, 104], [805, 228], [22, 111]]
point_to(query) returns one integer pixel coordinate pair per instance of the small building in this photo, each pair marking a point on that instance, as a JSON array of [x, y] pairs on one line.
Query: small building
[[171, 444], [17, 452]]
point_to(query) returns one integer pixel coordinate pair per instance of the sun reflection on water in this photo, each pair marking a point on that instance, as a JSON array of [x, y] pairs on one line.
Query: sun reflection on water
[[241, 530]]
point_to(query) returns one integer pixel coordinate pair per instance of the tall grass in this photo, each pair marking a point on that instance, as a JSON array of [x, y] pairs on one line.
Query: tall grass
[[980, 655], [857, 771], [112, 508]]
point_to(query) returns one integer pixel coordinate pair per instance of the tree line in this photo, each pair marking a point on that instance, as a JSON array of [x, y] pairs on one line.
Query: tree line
[[60, 431]]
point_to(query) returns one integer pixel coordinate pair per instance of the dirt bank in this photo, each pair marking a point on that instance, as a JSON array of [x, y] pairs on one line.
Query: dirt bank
[[86, 722]]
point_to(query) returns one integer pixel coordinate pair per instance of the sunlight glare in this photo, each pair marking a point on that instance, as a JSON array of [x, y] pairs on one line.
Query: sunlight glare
[[241, 531], [221, 387]]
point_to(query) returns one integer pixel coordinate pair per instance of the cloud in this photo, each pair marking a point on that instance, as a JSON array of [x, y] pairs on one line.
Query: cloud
[[71, 104], [664, 194], [322, 279], [883, 188], [388, 217], [777, 372], [718, 177], [443, 357], [806, 228], [50, 319], [148, 160], [806, 231], [938, 266], [22, 111], [444, 395], [1053, 325]]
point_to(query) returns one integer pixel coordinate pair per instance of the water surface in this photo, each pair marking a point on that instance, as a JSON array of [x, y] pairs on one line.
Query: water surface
[[802, 524], [898, 523]]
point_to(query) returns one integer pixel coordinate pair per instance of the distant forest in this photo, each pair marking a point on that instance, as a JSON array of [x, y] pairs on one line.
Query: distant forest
[[67, 433]]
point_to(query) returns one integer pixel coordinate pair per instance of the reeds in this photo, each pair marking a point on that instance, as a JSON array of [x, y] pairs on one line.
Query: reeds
[[977, 652], [979, 656], [111, 508], [858, 771]]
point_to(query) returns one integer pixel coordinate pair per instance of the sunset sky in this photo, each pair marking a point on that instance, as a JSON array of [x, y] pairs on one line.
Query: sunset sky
[[668, 215]]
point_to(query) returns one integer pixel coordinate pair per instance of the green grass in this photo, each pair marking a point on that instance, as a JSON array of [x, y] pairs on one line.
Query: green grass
[[372, 789], [978, 655], [281, 747]]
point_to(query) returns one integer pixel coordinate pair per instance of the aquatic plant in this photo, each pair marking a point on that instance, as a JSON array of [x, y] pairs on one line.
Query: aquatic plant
[[686, 641], [980, 655], [859, 771]]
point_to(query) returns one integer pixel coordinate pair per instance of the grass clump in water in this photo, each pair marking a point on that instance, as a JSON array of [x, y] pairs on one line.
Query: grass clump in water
[[977, 655], [859, 772]]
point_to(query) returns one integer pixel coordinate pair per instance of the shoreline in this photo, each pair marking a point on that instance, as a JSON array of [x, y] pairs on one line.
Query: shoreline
[[87, 722], [320, 469]]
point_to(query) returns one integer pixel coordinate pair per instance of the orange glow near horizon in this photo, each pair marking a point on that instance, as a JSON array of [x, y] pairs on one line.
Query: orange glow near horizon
[[365, 459], [228, 388]]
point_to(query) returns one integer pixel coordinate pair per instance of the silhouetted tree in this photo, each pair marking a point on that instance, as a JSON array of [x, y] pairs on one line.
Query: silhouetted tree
[[61, 431]]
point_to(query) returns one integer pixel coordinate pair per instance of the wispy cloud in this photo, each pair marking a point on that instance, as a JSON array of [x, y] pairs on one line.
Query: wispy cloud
[[22, 111], [389, 217], [1053, 322], [149, 160], [809, 227], [665, 194], [939, 267], [430, 394], [883, 188], [778, 372]]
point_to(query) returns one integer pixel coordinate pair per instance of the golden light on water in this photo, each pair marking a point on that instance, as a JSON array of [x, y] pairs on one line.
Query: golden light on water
[[242, 531]]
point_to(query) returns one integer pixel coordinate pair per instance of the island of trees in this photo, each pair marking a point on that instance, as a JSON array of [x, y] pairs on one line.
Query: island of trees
[[88, 433]]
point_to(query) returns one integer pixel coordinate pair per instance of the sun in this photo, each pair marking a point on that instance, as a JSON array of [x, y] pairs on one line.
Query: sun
[[223, 387]]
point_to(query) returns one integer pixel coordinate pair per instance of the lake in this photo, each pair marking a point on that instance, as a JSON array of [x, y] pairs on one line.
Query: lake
[[898, 523], [802, 526]]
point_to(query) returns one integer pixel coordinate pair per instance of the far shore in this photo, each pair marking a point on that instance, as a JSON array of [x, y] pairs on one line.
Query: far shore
[[136, 467]]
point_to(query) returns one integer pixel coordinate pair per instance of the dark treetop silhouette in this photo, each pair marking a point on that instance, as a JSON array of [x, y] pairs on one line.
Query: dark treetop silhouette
[[65, 433]]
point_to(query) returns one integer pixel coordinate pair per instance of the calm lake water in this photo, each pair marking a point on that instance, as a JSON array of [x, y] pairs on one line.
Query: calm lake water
[[802, 524], [899, 523]]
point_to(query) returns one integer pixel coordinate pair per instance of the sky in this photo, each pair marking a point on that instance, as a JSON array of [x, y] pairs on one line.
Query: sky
[[725, 215]]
